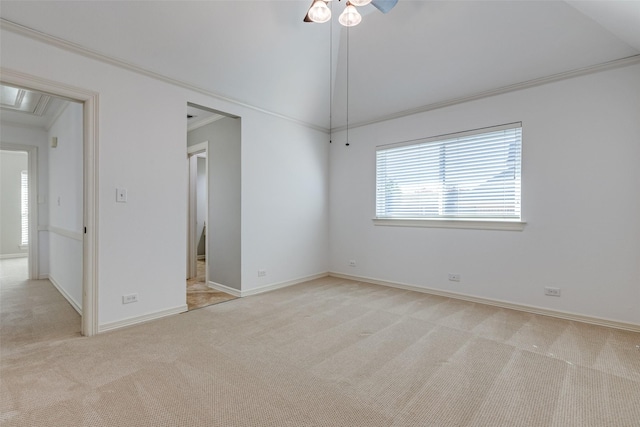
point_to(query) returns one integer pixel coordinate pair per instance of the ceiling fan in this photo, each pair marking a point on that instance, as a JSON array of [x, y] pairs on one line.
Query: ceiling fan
[[320, 12]]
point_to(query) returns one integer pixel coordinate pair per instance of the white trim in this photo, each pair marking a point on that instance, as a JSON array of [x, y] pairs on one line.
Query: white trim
[[141, 319], [498, 303], [78, 49], [64, 293], [201, 123], [474, 224], [91, 115], [273, 287], [617, 63], [266, 288], [11, 256], [43, 277], [90, 53], [223, 288], [193, 153], [197, 148], [75, 235]]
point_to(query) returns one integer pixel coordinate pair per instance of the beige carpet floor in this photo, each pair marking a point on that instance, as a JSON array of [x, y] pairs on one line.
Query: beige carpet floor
[[329, 352], [199, 294]]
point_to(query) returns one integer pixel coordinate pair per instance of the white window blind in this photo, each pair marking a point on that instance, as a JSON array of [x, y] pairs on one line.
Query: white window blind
[[469, 175], [24, 206]]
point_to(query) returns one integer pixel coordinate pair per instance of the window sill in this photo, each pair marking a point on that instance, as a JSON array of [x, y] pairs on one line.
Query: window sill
[[475, 224]]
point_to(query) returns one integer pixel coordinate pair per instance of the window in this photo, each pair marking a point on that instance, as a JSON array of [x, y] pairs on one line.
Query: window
[[455, 179], [24, 207]]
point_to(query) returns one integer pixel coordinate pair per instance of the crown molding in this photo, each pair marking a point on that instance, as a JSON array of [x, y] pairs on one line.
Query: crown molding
[[201, 123], [89, 53], [93, 54], [617, 63]]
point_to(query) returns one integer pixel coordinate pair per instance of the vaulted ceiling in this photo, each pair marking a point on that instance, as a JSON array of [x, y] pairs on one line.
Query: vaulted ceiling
[[421, 53]]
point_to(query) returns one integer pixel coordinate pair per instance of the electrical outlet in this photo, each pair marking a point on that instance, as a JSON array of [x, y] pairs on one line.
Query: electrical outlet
[[454, 277], [262, 273], [126, 299], [352, 263], [553, 292]]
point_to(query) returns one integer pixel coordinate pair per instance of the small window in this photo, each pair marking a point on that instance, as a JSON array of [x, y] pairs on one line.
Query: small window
[[466, 176], [24, 206]]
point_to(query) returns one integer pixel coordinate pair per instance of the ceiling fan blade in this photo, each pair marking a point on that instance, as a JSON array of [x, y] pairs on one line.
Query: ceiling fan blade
[[384, 6]]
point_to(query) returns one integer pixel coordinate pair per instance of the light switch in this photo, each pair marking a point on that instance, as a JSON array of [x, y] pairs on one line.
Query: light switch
[[121, 195]]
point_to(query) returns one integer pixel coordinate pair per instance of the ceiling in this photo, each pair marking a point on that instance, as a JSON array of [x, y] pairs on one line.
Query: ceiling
[[198, 117], [29, 108], [421, 53]]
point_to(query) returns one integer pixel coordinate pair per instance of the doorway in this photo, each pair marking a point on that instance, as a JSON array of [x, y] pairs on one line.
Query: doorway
[[85, 184], [15, 213], [197, 212], [200, 290], [42, 215]]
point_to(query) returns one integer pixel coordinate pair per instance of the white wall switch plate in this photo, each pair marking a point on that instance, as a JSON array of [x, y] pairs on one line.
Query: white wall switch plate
[[121, 195]]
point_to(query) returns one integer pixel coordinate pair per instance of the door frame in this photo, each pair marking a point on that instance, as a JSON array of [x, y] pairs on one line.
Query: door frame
[[192, 232], [89, 99], [32, 184]]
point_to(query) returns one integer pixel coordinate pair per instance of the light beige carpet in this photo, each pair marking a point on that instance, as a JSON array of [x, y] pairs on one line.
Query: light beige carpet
[[329, 352]]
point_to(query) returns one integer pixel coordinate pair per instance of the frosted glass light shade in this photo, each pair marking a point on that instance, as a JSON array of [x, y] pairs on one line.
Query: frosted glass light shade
[[319, 12], [360, 2], [350, 17]]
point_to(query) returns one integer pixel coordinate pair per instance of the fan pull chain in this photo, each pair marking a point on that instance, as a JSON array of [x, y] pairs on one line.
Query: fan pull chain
[[347, 144]]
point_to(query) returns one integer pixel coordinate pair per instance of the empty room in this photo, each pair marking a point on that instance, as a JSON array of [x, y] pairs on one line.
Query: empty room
[[401, 213]]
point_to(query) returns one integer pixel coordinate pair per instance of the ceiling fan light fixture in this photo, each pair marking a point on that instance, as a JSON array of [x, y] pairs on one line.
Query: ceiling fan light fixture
[[319, 12], [360, 2], [350, 17]]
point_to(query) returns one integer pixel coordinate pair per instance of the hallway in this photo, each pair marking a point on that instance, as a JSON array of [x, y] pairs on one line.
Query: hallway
[[31, 311]]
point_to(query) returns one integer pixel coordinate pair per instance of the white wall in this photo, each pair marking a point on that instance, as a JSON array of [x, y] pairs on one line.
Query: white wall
[[581, 148], [223, 226], [285, 190], [66, 204], [18, 135], [12, 163], [142, 243]]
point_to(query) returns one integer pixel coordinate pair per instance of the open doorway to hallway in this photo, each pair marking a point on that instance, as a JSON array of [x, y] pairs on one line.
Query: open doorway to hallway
[[202, 244], [41, 238]]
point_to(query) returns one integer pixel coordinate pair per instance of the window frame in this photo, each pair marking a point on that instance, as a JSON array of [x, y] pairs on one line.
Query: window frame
[[512, 224]]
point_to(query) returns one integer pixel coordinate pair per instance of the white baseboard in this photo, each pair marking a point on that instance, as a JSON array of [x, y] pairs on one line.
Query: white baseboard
[[11, 256], [267, 288], [223, 288], [274, 286], [498, 303], [141, 319], [44, 277], [77, 307]]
